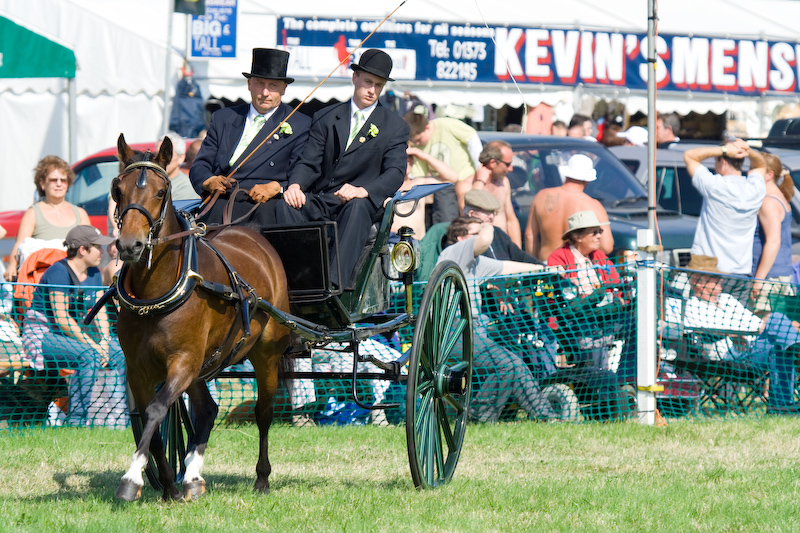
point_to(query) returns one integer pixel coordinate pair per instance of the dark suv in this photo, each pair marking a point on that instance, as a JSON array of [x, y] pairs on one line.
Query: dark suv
[[538, 161]]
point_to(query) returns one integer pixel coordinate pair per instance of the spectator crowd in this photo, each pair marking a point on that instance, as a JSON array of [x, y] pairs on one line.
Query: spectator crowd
[[344, 162]]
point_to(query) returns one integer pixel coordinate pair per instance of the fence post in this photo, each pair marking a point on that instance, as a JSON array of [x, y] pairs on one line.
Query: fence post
[[646, 365]]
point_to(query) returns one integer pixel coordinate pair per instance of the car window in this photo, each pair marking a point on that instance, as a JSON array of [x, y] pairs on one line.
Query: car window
[[543, 167], [91, 187], [632, 164], [691, 199], [669, 195]]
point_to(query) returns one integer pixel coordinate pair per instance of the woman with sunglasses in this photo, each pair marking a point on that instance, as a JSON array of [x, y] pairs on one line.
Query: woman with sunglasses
[[581, 255], [52, 217]]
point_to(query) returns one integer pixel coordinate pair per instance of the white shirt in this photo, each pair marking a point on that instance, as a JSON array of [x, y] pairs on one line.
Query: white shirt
[[366, 112], [728, 218], [252, 113]]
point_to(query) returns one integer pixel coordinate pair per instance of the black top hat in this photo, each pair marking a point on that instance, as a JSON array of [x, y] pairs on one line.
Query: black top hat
[[270, 64], [375, 62]]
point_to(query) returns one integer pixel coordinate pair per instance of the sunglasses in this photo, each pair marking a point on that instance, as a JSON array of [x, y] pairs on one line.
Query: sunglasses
[[598, 231], [506, 163]]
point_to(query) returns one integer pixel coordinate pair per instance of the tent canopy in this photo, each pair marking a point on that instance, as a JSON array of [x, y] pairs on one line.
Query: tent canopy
[[25, 54]]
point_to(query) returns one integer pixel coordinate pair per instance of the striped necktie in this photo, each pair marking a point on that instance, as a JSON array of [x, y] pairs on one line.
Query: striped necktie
[[248, 136]]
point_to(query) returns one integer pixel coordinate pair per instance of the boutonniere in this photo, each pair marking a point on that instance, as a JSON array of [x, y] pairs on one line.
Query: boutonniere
[[373, 130], [286, 129]]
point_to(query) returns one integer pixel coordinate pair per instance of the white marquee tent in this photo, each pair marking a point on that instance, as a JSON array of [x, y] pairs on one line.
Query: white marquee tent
[[122, 64]]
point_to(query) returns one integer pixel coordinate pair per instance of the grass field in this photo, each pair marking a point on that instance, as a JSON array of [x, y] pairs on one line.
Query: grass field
[[731, 475]]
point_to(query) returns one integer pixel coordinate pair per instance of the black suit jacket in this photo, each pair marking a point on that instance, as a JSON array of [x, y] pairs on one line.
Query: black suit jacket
[[375, 162], [271, 162]]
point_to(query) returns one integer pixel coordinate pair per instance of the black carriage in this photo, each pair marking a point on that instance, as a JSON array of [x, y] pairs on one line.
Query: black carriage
[[323, 311]]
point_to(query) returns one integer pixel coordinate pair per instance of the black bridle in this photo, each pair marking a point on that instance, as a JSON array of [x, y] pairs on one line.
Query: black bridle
[[141, 183]]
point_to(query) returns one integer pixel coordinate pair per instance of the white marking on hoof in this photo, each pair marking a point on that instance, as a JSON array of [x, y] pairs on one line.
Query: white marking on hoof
[[134, 473], [194, 467]]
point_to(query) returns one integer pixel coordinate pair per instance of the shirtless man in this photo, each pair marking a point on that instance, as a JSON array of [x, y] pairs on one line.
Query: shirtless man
[[496, 161], [551, 208]]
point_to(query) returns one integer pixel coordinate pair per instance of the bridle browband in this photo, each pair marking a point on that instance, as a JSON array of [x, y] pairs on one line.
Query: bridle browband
[[141, 183]]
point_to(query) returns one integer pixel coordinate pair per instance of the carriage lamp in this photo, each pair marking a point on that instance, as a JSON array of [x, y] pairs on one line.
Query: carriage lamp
[[405, 253]]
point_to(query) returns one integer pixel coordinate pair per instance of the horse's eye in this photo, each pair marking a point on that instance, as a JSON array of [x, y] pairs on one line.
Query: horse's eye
[[115, 194], [161, 194]]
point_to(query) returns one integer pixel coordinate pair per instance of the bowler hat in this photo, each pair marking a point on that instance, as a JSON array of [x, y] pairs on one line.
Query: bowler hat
[[582, 220], [86, 236], [270, 64], [376, 62]]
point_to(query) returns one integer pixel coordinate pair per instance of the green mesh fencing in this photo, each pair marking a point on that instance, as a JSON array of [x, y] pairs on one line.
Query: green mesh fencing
[[547, 346], [727, 345]]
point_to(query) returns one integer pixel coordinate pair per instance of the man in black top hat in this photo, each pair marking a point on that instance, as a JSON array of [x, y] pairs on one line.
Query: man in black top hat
[[355, 159], [235, 133]]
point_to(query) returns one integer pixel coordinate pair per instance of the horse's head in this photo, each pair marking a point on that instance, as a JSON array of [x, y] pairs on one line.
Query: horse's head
[[142, 193]]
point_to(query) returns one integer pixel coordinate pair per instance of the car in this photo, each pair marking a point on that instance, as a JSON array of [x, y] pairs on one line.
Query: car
[[90, 189], [537, 163], [674, 189]]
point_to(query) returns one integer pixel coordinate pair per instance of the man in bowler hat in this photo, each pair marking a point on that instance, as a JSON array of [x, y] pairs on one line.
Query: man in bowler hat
[[235, 132], [355, 159]]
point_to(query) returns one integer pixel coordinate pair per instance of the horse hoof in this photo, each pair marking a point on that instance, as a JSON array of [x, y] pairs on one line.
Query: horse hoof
[[173, 495], [192, 490], [128, 491], [261, 487]]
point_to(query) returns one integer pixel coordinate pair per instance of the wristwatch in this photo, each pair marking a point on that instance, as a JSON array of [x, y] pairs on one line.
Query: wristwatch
[[724, 149]]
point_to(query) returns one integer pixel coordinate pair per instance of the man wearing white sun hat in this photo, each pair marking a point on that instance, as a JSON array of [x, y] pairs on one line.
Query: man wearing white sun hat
[[551, 208]]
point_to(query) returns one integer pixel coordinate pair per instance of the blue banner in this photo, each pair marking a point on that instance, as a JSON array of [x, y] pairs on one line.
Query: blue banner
[[214, 34], [463, 53]]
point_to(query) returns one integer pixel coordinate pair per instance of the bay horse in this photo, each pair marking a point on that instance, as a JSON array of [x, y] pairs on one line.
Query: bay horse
[[188, 308]]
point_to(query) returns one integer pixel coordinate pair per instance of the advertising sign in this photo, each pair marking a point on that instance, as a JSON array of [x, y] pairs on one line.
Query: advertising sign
[[214, 34], [443, 51]]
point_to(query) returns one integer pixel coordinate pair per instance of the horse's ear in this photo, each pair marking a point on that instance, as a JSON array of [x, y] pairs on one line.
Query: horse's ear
[[124, 152], [164, 153]]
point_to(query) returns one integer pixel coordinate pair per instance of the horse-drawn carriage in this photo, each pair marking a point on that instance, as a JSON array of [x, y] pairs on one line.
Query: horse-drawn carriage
[[231, 298]]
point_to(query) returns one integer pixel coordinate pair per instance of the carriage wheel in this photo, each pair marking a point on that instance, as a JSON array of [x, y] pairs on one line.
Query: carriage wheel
[[439, 378], [176, 430]]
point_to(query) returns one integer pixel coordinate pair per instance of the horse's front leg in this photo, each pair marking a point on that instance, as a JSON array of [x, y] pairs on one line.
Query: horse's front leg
[[205, 410], [130, 487]]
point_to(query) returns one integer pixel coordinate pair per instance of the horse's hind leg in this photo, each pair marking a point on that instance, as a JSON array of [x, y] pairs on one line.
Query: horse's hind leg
[[130, 487], [205, 410], [266, 367]]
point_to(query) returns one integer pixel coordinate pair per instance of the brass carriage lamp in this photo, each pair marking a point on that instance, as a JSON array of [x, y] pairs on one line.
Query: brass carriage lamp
[[405, 259]]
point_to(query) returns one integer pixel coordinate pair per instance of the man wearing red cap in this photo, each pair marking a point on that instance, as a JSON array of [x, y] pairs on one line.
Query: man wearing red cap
[[355, 159]]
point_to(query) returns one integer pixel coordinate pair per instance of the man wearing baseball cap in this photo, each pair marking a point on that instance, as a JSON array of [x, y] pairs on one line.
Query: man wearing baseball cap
[[355, 159], [551, 208], [54, 334]]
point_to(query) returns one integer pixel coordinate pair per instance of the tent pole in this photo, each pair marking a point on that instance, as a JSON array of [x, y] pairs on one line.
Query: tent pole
[[72, 120], [168, 69]]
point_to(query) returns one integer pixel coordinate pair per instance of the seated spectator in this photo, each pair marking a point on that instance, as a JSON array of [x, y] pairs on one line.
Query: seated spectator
[[667, 127], [610, 137], [55, 338], [50, 218], [581, 250], [496, 162], [769, 343], [507, 377], [590, 270], [478, 204]]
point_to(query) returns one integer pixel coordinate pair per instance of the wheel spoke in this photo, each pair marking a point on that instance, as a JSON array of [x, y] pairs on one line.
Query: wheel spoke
[[452, 339], [451, 401], [444, 423]]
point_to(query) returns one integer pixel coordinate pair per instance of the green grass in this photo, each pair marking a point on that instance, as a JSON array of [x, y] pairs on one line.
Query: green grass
[[730, 475]]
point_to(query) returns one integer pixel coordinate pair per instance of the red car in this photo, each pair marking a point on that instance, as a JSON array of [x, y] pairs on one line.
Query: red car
[[90, 190]]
